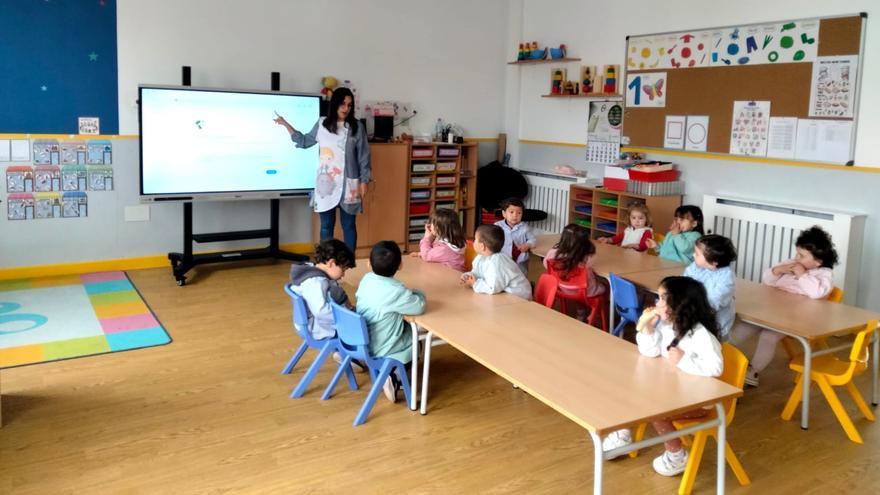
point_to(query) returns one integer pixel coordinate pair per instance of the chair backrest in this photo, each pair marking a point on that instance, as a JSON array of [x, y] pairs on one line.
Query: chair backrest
[[858, 356], [735, 365], [626, 298], [469, 255], [351, 329], [545, 290], [300, 316], [836, 295]]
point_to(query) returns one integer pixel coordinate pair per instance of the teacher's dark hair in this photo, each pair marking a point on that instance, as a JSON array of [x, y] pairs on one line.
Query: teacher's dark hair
[[336, 99]]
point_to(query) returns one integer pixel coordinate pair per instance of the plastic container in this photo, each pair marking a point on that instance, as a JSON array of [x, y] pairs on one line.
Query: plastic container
[[419, 208], [664, 176]]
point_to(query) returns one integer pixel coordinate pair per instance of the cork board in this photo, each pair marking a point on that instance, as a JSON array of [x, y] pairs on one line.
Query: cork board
[[713, 90]]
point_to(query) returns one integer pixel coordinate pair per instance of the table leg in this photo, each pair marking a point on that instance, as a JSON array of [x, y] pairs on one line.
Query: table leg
[[414, 374], [426, 371], [598, 457], [722, 444], [808, 365], [876, 367]]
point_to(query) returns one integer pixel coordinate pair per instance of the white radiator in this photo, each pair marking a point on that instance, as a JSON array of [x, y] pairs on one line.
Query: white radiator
[[764, 234], [548, 192]]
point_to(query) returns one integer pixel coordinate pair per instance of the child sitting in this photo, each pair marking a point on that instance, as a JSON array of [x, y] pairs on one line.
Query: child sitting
[[384, 301], [444, 240], [316, 283], [678, 245], [494, 272], [637, 233], [713, 255], [808, 274], [518, 238], [569, 259], [683, 329]]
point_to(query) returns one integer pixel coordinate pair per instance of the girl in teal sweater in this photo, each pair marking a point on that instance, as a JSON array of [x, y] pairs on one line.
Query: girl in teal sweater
[[678, 245]]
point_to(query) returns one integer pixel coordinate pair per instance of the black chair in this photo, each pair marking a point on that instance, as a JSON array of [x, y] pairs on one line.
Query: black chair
[[495, 183]]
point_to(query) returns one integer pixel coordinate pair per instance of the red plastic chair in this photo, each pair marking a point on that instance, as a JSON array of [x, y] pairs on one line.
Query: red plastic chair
[[546, 289], [577, 280]]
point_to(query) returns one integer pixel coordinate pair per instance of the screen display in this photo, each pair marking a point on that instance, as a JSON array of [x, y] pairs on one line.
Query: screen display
[[203, 142]]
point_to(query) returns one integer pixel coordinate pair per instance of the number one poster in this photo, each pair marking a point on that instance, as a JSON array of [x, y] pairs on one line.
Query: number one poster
[[647, 89]]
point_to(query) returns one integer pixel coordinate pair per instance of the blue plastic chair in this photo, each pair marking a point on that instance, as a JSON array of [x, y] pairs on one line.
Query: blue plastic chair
[[626, 302], [354, 340], [325, 347]]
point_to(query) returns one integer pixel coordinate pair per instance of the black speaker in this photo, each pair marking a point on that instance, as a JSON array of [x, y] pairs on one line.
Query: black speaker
[[383, 128]]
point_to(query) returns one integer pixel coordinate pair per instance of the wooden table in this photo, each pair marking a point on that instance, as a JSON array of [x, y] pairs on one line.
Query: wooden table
[[796, 316], [598, 381]]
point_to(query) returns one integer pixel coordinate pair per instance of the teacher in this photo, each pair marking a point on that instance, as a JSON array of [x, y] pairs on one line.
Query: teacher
[[344, 166]]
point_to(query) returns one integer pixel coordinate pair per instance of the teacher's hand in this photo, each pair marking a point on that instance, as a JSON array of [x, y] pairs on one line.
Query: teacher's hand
[[362, 190], [283, 122]]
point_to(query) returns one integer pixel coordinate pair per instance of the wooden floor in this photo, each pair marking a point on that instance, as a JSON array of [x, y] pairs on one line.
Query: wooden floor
[[210, 413]]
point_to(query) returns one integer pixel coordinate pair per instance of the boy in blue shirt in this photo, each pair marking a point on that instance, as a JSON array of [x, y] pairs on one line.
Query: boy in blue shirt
[[518, 238], [384, 301]]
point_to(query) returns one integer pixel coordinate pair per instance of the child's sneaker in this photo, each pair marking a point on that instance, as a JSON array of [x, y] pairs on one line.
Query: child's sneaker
[[355, 365], [390, 389], [616, 439], [671, 463], [751, 377]]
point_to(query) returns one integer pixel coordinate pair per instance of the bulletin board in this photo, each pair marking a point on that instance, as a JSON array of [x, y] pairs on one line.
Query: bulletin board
[[786, 89]]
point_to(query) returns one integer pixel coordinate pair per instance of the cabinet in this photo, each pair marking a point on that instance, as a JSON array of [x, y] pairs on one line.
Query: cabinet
[[383, 218], [604, 212], [440, 176]]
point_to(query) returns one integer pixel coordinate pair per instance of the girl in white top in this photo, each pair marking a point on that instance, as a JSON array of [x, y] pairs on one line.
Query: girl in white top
[[681, 328], [636, 235]]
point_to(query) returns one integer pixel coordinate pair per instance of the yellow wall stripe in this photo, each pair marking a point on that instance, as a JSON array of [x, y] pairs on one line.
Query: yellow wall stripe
[[156, 261], [552, 143]]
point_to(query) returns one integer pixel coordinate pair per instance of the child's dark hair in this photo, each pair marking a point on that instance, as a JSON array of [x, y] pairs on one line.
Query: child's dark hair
[[717, 249], [447, 227], [688, 305], [492, 236], [385, 258], [818, 243], [573, 248], [507, 203], [336, 250], [694, 212]]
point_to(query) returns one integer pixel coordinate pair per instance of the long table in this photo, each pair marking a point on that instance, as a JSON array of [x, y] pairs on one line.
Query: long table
[[796, 316], [598, 381]]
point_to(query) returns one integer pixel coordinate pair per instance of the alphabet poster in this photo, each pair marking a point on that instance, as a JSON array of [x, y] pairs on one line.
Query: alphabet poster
[[748, 134]]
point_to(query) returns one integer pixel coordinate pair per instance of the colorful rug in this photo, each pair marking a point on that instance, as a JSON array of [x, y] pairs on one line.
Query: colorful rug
[[52, 318]]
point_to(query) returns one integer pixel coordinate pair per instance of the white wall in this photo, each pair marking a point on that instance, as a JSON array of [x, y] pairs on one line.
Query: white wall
[[431, 54], [595, 31]]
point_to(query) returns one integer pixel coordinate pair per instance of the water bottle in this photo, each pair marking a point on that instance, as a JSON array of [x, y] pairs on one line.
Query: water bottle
[[438, 130]]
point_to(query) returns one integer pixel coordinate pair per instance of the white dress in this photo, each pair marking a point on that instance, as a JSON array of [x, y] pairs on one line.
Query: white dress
[[331, 168]]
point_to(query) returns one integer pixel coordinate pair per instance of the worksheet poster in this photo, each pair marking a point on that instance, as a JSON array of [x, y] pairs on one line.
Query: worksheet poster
[[748, 134], [647, 89], [832, 91]]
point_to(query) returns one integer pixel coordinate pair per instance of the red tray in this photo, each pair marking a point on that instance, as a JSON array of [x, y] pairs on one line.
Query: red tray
[[664, 176]]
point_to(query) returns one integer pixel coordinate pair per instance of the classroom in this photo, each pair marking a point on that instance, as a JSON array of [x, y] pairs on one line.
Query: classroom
[[150, 149]]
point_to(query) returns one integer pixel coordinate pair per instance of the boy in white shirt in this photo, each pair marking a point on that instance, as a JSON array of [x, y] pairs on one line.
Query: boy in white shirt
[[518, 238], [493, 271]]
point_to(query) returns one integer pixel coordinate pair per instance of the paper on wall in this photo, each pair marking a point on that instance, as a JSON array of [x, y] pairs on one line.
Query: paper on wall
[[824, 140], [748, 132], [647, 89], [5, 150], [832, 89], [20, 150], [673, 134], [781, 139], [696, 133]]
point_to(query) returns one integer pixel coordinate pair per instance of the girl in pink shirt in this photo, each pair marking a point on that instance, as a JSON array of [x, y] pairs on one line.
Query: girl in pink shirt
[[444, 240], [808, 274]]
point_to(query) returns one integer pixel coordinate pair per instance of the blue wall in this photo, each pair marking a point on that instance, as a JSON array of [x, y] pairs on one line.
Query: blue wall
[[58, 60]]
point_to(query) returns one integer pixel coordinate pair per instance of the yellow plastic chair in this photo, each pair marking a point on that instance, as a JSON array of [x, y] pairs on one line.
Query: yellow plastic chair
[[829, 371], [469, 255], [735, 365], [793, 348]]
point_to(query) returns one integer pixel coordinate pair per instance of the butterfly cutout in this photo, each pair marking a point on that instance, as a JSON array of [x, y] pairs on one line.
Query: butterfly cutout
[[655, 91]]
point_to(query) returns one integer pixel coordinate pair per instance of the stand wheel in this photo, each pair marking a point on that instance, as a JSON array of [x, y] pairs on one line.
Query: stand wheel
[[181, 281]]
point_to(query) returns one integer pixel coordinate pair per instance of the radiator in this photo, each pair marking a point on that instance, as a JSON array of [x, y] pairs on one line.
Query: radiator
[[548, 192], [764, 234]]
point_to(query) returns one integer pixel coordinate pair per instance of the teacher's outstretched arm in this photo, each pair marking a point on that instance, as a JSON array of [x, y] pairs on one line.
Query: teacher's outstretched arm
[[299, 139]]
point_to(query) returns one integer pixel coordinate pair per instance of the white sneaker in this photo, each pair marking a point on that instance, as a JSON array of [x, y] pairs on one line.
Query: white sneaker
[[390, 390], [669, 464], [617, 439], [354, 364], [751, 377]]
